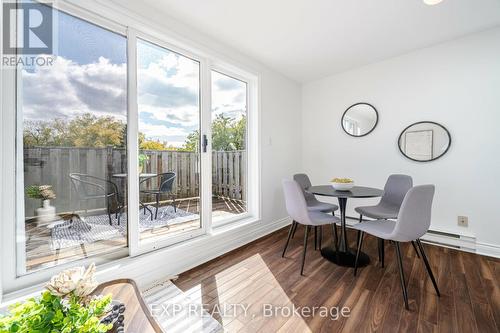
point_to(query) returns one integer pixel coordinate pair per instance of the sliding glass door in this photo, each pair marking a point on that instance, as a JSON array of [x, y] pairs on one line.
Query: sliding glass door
[[73, 120], [124, 145], [168, 90]]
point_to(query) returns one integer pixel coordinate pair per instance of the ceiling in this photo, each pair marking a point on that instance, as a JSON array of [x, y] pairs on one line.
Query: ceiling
[[310, 39]]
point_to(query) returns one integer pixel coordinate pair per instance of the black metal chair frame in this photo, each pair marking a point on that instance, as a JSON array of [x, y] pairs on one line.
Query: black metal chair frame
[[400, 265], [88, 180], [165, 178]]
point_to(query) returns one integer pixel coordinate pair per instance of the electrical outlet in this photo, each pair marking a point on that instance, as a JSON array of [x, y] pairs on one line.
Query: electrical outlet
[[463, 221]]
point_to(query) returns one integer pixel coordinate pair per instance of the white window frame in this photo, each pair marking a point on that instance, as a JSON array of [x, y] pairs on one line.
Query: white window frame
[[251, 142], [142, 246], [131, 28]]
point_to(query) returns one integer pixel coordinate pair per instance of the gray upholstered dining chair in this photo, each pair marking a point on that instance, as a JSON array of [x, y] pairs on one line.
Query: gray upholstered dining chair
[[313, 205], [296, 207], [413, 222], [395, 190]]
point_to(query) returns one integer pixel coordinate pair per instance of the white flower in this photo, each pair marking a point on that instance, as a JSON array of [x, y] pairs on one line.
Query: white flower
[[87, 283], [77, 280]]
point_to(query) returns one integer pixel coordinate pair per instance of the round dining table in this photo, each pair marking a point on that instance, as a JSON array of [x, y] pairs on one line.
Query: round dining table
[[343, 255]]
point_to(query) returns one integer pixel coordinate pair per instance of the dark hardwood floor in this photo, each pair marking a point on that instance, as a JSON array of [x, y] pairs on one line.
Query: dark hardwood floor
[[256, 274]]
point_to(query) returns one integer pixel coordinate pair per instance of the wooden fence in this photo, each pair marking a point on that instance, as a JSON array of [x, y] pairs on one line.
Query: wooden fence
[[52, 166]]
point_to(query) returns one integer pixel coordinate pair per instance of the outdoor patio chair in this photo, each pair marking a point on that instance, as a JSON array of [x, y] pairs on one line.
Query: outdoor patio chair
[[165, 182], [89, 187]]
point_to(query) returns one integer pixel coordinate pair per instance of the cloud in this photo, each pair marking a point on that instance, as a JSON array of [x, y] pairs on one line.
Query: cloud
[[67, 89], [186, 116], [227, 83], [171, 81], [158, 131]]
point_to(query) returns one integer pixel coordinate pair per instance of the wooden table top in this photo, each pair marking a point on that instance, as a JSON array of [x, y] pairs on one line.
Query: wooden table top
[[137, 316]]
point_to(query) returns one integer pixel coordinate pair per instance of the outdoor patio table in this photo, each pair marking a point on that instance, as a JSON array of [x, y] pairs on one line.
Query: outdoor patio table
[[345, 256], [141, 176]]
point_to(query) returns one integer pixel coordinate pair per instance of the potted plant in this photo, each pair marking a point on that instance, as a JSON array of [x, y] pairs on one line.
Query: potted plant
[[46, 213], [67, 305], [143, 158]]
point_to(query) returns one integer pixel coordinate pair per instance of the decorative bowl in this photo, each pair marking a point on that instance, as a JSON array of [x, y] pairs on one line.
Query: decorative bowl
[[342, 186]]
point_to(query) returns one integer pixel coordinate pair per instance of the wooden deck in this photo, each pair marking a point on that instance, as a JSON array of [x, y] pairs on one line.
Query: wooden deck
[[39, 255], [256, 274]]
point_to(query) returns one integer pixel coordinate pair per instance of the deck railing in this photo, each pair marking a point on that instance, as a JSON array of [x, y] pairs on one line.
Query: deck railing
[[52, 166]]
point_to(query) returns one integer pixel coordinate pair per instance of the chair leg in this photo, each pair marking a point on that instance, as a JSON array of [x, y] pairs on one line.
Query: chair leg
[[415, 248], [360, 244], [428, 267], [320, 236], [402, 275], [304, 252], [381, 251], [315, 237], [174, 204], [157, 205], [359, 231], [288, 239], [294, 229], [108, 209]]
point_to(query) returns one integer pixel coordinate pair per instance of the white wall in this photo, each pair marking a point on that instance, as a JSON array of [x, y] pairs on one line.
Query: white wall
[[456, 84]]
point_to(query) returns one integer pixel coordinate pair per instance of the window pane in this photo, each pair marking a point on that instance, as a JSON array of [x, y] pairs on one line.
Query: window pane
[[229, 154], [74, 117], [169, 159]]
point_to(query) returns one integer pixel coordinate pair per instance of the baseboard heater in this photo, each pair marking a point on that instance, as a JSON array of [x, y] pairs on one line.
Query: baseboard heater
[[451, 240], [439, 238]]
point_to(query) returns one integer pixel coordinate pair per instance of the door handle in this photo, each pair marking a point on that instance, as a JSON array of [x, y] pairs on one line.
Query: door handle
[[204, 143]]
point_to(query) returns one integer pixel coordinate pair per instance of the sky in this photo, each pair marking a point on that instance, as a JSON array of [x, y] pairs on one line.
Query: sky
[[90, 75]]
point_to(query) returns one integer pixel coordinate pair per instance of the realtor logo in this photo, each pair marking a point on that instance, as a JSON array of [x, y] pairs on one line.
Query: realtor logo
[[28, 34], [27, 28]]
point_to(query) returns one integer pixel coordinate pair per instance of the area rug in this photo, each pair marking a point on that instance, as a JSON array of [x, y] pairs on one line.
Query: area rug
[[97, 228]]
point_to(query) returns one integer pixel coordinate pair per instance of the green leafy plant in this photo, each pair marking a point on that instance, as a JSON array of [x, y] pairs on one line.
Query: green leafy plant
[[143, 158], [43, 192], [67, 306], [49, 314]]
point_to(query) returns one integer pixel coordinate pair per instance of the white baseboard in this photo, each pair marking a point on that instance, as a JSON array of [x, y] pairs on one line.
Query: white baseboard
[[489, 250], [453, 240]]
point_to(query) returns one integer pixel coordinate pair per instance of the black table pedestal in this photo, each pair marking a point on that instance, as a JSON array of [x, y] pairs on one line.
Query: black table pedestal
[[345, 259], [344, 256]]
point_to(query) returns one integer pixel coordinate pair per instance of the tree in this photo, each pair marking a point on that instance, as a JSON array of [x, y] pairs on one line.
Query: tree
[[192, 141], [86, 130], [153, 145], [44, 133], [89, 130], [227, 134]]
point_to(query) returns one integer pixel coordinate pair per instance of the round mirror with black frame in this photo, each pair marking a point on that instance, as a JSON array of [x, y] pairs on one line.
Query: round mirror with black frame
[[424, 141], [359, 119]]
